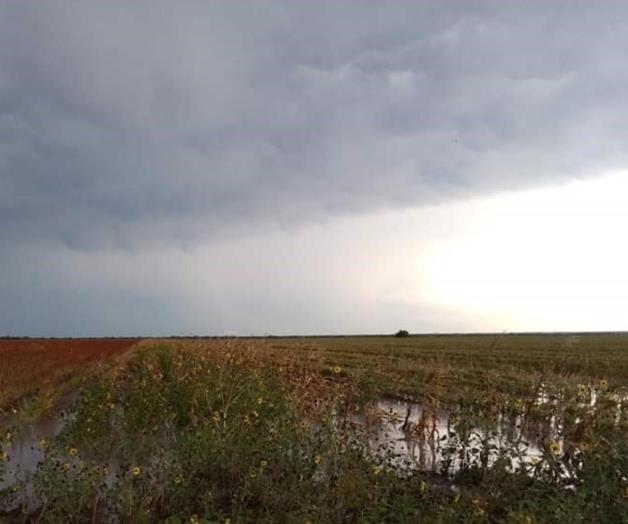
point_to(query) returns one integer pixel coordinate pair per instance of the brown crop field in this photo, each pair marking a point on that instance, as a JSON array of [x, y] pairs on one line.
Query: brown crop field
[[38, 367]]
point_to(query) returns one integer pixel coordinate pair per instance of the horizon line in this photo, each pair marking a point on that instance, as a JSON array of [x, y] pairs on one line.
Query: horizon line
[[337, 335]]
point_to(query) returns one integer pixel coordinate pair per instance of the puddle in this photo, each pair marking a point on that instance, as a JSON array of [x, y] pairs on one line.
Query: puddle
[[414, 436], [24, 450], [417, 436]]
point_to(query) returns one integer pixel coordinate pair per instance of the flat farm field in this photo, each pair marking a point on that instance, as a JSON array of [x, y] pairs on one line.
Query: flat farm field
[[481, 428], [40, 366]]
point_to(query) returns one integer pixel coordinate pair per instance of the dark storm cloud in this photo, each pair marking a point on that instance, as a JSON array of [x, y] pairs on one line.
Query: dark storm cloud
[[124, 123]]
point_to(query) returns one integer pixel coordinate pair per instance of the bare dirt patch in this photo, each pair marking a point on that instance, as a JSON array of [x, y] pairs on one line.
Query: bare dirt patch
[[36, 366]]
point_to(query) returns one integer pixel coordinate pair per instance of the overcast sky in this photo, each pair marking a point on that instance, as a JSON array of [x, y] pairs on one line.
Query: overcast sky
[[312, 167]]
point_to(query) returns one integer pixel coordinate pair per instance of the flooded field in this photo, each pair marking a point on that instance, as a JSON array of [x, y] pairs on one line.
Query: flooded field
[[26, 440], [244, 431], [422, 437], [419, 437]]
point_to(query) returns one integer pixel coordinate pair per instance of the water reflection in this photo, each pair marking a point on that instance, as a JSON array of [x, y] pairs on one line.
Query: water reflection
[[418, 436], [26, 446]]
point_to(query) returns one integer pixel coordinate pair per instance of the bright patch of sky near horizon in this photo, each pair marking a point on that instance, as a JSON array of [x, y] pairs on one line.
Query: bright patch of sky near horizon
[[544, 259], [547, 259]]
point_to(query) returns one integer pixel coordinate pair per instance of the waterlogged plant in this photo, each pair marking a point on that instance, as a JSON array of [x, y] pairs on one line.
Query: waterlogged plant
[[243, 432], [180, 433]]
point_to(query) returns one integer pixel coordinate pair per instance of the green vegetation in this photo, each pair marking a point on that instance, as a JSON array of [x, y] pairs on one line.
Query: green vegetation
[[467, 367], [282, 431]]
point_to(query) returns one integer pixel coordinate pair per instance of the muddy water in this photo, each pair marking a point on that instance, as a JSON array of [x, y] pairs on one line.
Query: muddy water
[[413, 436], [416, 436], [24, 449]]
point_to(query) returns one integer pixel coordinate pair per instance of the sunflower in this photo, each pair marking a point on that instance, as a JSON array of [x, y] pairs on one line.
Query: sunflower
[[554, 447], [337, 370], [136, 471], [73, 452]]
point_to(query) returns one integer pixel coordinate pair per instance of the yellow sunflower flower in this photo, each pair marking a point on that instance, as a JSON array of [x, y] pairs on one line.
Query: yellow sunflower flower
[[554, 447]]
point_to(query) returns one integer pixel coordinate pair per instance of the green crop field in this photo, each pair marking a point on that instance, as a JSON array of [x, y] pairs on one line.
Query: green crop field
[[474, 428]]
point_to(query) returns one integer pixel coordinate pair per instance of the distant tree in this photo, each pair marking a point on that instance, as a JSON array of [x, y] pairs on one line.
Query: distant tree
[[402, 333]]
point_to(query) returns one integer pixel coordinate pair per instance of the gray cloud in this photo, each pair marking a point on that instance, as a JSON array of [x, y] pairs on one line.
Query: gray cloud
[[124, 124], [224, 167], [352, 276]]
